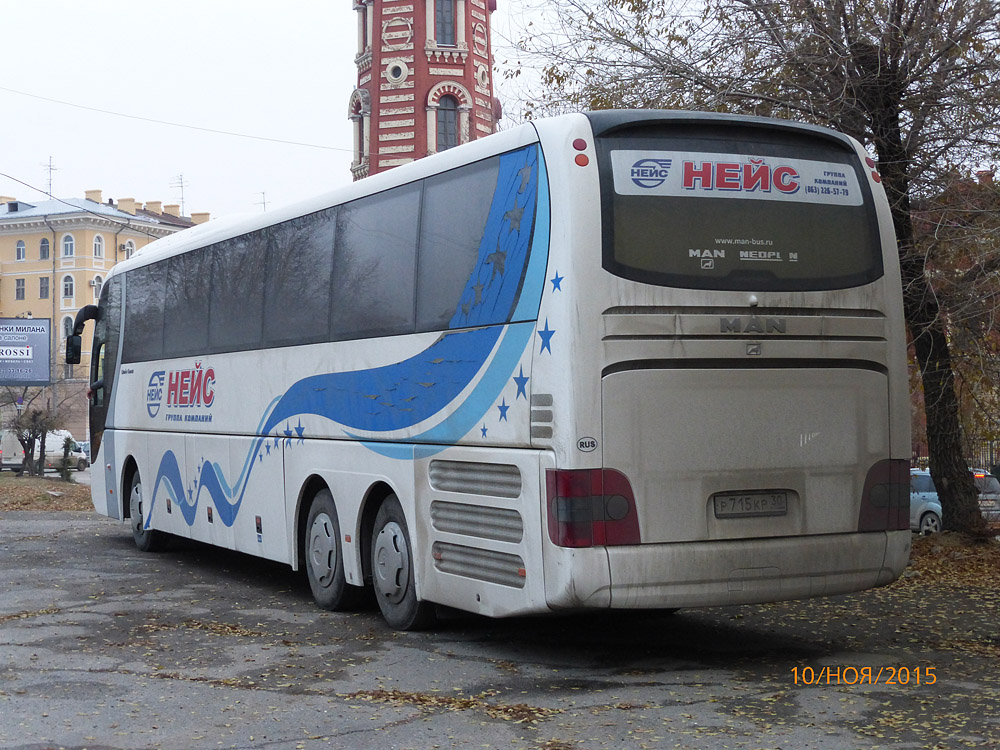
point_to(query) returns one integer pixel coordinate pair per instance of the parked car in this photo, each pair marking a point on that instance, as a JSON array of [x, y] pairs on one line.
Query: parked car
[[925, 508], [989, 495]]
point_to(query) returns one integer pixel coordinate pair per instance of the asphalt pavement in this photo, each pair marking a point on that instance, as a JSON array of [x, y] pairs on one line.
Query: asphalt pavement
[[104, 647]]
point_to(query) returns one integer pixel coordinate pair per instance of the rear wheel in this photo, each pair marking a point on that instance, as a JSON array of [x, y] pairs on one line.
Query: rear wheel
[[930, 523], [148, 540], [393, 573], [325, 557]]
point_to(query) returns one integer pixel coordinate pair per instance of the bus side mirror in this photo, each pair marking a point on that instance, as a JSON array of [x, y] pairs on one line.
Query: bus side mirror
[[73, 346], [74, 342]]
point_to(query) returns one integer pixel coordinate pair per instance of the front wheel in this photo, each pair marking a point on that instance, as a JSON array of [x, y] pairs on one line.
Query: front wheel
[[325, 557], [930, 523], [147, 540], [393, 573]]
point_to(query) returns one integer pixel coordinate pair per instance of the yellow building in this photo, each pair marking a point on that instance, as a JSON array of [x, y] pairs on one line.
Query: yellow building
[[54, 257]]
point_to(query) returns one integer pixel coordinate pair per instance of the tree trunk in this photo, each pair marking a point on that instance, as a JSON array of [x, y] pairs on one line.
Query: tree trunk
[[949, 470]]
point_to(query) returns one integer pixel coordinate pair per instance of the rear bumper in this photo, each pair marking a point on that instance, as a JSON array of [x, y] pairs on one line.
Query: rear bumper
[[702, 574]]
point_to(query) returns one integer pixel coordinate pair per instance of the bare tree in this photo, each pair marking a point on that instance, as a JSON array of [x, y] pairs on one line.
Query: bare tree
[[31, 425], [918, 81]]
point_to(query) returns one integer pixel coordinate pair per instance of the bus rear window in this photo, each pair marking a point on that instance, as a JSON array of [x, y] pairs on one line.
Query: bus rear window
[[726, 211]]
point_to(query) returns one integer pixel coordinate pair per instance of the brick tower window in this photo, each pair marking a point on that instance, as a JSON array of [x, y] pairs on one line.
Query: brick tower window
[[444, 22], [447, 122]]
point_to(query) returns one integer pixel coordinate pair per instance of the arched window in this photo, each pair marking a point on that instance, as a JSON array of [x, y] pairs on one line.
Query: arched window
[[129, 249], [444, 22], [447, 122], [98, 285], [67, 326], [68, 288], [21, 250], [98, 246], [69, 246], [43, 249]]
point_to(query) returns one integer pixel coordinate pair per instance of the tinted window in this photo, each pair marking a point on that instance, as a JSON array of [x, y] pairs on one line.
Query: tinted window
[[185, 310], [987, 483], [374, 265], [236, 304], [297, 292], [144, 293], [717, 208], [456, 208], [921, 483]]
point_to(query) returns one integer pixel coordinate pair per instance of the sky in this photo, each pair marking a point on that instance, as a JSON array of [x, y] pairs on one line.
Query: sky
[[92, 85]]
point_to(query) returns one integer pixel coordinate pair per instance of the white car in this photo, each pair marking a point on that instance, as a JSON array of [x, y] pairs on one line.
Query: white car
[[925, 507]]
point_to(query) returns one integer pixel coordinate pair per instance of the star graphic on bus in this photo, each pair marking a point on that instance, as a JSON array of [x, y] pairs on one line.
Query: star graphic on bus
[[546, 334], [483, 430], [556, 282], [503, 407], [521, 381]]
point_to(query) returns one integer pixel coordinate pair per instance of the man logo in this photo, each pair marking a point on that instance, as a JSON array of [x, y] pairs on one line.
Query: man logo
[[650, 173]]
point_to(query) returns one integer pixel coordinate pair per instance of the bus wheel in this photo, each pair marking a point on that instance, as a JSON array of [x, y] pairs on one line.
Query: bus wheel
[[325, 557], [147, 540], [393, 573]]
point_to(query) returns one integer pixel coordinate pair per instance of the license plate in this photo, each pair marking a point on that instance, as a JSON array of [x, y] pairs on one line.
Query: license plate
[[749, 504]]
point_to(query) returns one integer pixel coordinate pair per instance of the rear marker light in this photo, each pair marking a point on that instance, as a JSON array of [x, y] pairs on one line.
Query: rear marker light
[[582, 159], [580, 145], [876, 177], [870, 162]]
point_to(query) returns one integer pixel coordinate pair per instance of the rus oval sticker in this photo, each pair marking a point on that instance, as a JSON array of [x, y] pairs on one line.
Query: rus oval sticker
[[587, 444]]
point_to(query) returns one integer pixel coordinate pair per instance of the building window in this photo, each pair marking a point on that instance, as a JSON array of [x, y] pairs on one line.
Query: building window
[[43, 287], [98, 246], [129, 249], [18, 288], [69, 246], [444, 22], [447, 122], [98, 284], [43, 249], [67, 287], [21, 250], [67, 326]]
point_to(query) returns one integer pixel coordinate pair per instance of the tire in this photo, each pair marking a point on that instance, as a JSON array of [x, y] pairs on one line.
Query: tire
[[930, 523], [393, 574], [147, 540], [324, 556], [81, 465]]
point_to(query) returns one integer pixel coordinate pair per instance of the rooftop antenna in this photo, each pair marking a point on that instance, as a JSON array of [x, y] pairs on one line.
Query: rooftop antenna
[[51, 168], [263, 200], [178, 182]]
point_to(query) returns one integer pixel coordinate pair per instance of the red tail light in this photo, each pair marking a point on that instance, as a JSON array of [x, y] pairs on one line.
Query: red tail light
[[591, 508], [885, 502]]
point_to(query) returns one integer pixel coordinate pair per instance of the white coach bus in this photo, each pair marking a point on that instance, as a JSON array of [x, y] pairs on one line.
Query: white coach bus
[[623, 359]]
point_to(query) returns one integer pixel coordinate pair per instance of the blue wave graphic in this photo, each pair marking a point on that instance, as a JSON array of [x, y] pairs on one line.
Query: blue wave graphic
[[395, 396]]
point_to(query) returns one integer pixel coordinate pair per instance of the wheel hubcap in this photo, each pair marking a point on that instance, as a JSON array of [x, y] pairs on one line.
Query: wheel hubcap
[[392, 568], [322, 549], [135, 508]]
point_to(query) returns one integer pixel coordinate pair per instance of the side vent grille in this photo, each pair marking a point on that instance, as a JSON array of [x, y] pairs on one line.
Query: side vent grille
[[541, 415], [480, 564], [500, 524], [471, 478]]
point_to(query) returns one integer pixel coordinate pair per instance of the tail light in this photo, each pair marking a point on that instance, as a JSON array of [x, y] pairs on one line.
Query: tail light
[[885, 501], [591, 508]]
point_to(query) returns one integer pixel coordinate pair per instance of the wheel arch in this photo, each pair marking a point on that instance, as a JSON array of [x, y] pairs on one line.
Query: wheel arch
[[373, 500], [312, 486], [130, 469]]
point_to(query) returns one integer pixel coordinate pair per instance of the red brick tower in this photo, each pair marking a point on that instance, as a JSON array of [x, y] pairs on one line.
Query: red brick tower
[[425, 80]]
